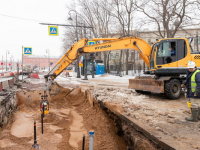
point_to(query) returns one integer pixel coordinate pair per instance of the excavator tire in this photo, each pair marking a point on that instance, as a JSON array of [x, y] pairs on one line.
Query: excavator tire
[[173, 89]]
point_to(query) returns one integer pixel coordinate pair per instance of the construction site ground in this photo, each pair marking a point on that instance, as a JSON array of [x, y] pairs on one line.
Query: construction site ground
[[71, 116]]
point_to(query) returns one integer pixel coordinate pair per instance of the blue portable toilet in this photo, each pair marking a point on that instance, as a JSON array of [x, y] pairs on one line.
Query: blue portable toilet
[[100, 69]]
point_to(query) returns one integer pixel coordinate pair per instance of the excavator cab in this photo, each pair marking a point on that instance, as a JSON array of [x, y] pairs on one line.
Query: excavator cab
[[44, 104], [167, 56]]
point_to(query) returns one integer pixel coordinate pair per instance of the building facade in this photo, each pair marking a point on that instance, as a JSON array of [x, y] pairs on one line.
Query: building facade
[[40, 62]]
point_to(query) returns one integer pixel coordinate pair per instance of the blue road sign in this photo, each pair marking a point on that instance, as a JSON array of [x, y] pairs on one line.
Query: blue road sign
[[53, 30], [28, 51]]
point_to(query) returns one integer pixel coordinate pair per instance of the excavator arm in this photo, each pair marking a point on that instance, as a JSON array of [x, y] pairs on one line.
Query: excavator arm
[[110, 44]]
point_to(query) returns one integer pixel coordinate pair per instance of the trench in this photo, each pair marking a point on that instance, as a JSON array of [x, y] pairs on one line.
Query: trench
[[71, 116]]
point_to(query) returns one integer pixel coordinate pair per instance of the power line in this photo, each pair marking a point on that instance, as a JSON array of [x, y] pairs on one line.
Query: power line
[[19, 18]]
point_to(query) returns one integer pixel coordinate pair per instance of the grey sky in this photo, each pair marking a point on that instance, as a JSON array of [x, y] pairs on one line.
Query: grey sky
[[15, 32]]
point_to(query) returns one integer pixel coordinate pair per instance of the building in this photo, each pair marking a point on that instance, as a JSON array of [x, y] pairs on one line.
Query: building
[[40, 62]]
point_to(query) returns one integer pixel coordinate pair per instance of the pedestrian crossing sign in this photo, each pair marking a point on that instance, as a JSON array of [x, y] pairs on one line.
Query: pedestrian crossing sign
[[53, 30], [91, 42], [27, 51]]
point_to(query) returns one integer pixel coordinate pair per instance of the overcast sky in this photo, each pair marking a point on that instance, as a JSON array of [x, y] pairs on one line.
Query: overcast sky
[[27, 32]]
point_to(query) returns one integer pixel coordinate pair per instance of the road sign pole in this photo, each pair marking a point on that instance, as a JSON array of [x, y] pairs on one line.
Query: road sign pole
[[22, 63]]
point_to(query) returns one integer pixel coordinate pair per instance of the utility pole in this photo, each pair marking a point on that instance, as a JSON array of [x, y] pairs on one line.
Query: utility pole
[[7, 52], [22, 64], [197, 41], [78, 70], [47, 51], [85, 58]]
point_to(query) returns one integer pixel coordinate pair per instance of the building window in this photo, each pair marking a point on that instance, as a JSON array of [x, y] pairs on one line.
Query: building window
[[117, 56], [130, 66], [111, 67], [132, 55], [111, 56], [149, 41]]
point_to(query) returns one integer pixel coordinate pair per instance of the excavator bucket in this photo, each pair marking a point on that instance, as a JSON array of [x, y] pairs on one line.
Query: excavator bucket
[[147, 84], [55, 90]]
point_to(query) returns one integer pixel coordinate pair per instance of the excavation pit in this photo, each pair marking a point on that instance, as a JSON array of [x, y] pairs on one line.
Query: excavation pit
[[71, 116]]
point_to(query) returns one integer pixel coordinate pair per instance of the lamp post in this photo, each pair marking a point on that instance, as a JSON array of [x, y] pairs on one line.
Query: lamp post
[[10, 62], [85, 58], [7, 52], [47, 51], [78, 71]]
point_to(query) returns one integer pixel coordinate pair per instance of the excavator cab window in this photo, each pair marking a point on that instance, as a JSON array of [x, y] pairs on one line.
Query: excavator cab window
[[167, 52], [152, 55], [170, 51]]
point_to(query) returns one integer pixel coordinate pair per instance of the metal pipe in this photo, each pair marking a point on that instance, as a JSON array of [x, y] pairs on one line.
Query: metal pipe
[[83, 145], [35, 141], [42, 116], [91, 139]]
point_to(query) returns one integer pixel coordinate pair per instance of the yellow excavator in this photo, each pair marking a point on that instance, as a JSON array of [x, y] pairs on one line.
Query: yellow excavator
[[167, 62]]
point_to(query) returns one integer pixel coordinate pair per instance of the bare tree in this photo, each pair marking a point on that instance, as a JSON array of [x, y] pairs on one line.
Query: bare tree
[[167, 16], [91, 13], [122, 11]]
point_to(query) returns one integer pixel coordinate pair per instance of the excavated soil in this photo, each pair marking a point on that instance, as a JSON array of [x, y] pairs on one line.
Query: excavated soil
[[70, 117]]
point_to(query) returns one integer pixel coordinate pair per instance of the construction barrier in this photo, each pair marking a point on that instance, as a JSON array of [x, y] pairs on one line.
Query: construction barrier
[[9, 74], [33, 75], [5, 84], [6, 74], [11, 82]]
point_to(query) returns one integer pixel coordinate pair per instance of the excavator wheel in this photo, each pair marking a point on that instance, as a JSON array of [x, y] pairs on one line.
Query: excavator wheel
[[173, 89]]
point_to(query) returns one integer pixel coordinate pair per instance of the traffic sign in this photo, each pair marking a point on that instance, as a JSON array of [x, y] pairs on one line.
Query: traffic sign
[[80, 64], [53, 30], [27, 51], [2, 63], [91, 42]]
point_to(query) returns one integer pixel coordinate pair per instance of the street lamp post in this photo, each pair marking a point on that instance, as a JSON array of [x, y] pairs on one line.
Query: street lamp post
[[11, 62], [7, 52], [47, 51], [85, 58], [78, 70]]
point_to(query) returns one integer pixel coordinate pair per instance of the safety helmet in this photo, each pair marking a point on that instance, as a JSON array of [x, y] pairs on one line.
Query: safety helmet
[[191, 64]]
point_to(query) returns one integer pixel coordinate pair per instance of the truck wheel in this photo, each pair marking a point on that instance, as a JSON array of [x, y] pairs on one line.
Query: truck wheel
[[173, 89]]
